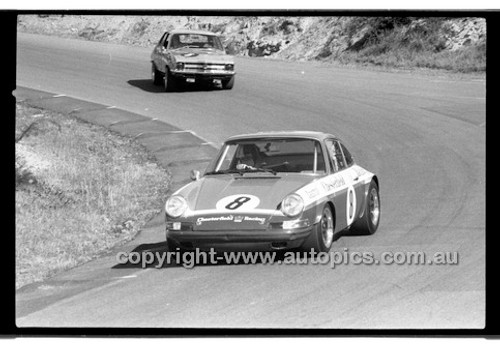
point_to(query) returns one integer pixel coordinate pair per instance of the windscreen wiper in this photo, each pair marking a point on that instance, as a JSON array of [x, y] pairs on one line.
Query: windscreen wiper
[[228, 171], [274, 172], [248, 168]]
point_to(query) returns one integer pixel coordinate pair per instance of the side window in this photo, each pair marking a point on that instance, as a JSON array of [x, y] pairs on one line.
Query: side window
[[162, 39], [347, 155], [320, 163], [339, 156], [334, 166], [329, 148], [336, 157], [165, 42]]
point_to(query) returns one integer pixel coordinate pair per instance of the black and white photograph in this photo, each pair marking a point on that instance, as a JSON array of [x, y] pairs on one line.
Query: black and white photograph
[[302, 170]]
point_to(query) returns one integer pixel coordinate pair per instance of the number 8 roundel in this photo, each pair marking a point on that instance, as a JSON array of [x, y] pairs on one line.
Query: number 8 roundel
[[238, 202]]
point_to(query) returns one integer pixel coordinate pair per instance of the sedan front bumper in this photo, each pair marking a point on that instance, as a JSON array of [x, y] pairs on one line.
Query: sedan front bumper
[[204, 75]]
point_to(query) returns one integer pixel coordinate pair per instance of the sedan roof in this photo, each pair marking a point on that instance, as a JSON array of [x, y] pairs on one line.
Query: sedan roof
[[196, 32], [283, 134]]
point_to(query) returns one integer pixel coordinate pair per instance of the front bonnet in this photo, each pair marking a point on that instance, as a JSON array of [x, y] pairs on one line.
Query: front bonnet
[[202, 56], [247, 201]]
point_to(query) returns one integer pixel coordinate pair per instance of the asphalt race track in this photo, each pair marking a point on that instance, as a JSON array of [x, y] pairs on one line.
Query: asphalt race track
[[424, 136]]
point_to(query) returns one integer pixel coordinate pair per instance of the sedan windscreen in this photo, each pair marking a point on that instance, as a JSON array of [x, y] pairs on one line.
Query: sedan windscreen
[[195, 41]]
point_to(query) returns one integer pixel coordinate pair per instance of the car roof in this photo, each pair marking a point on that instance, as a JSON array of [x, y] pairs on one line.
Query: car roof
[[284, 134], [197, 32]]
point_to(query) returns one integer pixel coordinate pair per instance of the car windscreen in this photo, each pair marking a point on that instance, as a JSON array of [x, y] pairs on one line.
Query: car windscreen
[[278, 154], [195, 41]]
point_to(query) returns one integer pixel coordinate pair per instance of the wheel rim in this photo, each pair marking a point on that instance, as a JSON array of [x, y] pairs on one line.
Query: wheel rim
[[327, 227], [374, 206]]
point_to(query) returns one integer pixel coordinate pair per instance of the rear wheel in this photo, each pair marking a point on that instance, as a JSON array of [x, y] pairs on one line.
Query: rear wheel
[[321, 238], [368, 224], [169, 82], [228, 84], [156, 76]]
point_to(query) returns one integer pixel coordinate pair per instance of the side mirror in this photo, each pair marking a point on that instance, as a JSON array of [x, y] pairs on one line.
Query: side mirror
[[195, 175]]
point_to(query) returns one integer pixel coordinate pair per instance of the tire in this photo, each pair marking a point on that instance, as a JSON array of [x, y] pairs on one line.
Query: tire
[[368, 224], [228, 85], [169, 82], [156, 76], [321, 237]]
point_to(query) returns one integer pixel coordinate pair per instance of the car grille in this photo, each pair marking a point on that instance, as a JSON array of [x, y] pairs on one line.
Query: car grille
[[202, 67]]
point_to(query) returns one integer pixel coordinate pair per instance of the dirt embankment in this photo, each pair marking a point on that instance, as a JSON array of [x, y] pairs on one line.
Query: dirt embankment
[[456, 44], [80, 190]]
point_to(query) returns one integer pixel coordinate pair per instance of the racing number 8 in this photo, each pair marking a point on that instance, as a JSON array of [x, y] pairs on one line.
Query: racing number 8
[[236, 203]]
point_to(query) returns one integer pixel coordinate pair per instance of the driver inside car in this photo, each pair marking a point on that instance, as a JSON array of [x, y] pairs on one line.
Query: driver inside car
[[250, 158]]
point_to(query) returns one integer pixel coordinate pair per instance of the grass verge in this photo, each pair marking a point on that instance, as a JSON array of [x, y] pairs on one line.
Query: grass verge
[[80, 190]]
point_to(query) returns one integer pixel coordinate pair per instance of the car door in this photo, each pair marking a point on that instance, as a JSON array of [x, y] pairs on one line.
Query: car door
[[357, 183], [344, 198], [159, 51]]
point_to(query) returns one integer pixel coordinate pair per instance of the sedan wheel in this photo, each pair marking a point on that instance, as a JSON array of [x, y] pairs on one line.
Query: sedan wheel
[[169, 82], [156, 76]]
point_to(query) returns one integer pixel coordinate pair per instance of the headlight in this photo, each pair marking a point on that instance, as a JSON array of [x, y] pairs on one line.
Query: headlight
[[292, 205], [175, 206], [229, 67], [179, 66]]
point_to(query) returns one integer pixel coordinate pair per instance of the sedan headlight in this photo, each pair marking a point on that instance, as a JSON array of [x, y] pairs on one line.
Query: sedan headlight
[[179, 66], [175, 206], [292, 205]]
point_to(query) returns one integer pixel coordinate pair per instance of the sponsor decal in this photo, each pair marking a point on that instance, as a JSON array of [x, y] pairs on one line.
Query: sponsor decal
[[336, 182], [200, 220], [312, 193], [255, 219], [236, 219]]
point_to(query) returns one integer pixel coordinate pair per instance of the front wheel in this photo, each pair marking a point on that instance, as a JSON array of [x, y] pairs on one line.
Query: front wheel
[[321, 237], [368, 224], [169, 82], [156, 76]]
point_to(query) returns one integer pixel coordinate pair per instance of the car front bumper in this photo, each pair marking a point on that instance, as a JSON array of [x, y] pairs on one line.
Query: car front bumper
[[260, 239], [203, 75]]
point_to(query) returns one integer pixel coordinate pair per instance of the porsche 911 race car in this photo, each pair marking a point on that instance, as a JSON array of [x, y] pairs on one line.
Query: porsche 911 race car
[[274, 190]]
